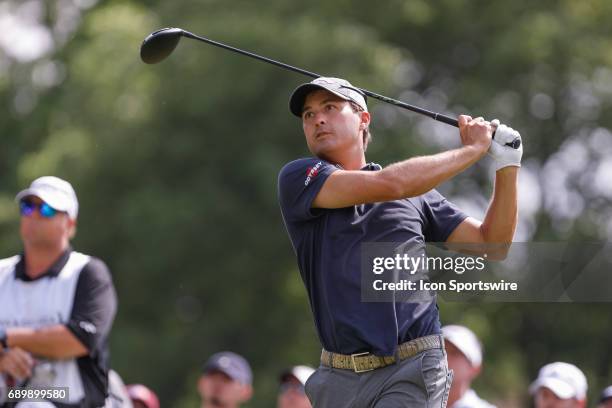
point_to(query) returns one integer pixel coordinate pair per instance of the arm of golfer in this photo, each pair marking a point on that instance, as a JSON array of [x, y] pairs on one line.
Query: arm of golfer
[[409, 178], [500, 220]]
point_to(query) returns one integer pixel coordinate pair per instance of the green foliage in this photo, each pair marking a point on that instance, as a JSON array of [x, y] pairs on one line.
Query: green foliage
[[175, 164]]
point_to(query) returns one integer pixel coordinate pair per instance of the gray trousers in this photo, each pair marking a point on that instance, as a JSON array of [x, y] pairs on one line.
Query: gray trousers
[[422, 381]]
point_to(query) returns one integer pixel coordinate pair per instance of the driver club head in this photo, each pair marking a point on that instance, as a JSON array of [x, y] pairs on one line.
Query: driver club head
[[159, 44]]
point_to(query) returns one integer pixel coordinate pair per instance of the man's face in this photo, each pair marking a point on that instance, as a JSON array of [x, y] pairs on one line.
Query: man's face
[[331, 126], [464, 372], [45, 232], [605, 404], [545, 398], [461, 366], [291, 395], [218, 390]]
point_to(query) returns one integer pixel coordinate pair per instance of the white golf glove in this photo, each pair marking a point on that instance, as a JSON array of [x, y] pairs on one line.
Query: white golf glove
[[505, 155]]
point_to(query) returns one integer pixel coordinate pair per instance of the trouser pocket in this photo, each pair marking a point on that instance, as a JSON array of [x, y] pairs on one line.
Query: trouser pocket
[[447, 387], [433, 373]]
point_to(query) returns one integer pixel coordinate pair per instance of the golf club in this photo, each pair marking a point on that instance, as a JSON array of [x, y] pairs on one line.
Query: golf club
[[159, 45]]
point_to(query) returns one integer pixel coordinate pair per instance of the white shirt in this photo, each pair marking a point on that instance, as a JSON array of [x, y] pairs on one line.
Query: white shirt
[[76, 291], [471, 400]]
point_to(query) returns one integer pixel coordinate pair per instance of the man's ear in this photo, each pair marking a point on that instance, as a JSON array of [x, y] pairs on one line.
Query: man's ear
[[475, 372], [246, 392], [201, 386], [72, 224], [365, 119]]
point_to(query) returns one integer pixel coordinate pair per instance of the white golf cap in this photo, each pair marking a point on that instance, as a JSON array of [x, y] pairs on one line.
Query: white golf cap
[[606, 394], [339, 87], [564, 380], [466, 341], [301, 372], [54, 191]]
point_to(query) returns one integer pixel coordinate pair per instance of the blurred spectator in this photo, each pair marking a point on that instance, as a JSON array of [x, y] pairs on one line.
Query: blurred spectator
[[605, 401], [291, 392], [142, 396], [559, 385], [464, 354], [57, 305], [226, 381], [117, 392]]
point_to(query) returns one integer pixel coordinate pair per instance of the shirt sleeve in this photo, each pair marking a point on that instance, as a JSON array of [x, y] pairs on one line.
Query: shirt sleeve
[[94, 306], [299, 182], [442, 216]]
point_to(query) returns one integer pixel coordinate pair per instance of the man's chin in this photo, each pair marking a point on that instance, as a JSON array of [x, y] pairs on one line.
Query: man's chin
[[215, 402]]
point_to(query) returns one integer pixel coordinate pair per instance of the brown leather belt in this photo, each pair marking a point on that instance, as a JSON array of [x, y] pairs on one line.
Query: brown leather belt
[[362, 362]]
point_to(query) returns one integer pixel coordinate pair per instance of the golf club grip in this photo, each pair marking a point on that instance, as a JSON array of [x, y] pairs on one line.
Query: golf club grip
[[434, 115], [446, 119], [453, 122]]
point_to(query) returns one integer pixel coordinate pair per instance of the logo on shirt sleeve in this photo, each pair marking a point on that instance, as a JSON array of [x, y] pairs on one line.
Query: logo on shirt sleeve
[[312, 172], [88, 327]]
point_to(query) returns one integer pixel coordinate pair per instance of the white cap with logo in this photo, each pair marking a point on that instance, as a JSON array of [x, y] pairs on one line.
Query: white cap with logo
[[54, 191], [466, 341], [564, 380]]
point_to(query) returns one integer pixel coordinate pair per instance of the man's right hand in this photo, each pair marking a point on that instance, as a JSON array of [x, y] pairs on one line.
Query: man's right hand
[[475, 132], [17, 363]]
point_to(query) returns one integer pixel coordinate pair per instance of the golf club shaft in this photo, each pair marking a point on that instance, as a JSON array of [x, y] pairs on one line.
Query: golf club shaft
[[434, 115]]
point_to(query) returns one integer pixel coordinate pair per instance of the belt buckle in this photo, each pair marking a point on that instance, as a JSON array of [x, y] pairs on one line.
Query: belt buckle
[[355, 365]]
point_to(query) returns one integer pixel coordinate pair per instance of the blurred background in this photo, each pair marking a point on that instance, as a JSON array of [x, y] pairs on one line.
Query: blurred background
[[176, 164]]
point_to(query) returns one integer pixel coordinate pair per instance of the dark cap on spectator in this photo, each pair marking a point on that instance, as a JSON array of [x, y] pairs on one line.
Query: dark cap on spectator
[[233, 365], [606, 394]]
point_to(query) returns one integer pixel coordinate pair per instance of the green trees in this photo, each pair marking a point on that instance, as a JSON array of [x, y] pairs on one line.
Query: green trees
[[175, 164]]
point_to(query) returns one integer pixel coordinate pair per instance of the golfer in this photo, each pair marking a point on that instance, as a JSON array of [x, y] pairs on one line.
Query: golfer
[[385, 354]]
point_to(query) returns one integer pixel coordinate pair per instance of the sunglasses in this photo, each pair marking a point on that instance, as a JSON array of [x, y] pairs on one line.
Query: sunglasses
[[27, 207]]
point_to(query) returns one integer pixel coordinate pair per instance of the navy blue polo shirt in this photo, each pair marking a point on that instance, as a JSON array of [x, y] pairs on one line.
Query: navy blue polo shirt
[[327, 243]]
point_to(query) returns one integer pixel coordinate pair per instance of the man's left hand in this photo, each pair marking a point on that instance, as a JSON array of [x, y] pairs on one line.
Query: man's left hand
[[505, 155]]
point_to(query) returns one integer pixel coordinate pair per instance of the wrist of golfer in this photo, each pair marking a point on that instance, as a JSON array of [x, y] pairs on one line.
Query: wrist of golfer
[[506, 157], [477, 150], [510, 171]]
